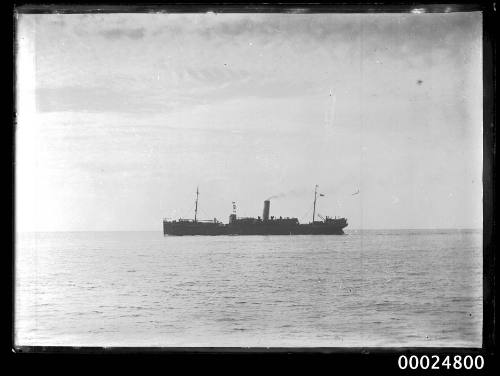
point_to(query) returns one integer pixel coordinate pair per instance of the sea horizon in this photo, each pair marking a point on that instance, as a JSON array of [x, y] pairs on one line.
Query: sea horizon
[[346, 229]]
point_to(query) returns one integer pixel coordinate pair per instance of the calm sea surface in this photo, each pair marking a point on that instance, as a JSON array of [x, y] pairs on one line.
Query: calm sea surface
[[366, 288]]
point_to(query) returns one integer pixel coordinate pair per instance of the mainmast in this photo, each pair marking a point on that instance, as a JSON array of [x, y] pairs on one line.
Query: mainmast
[[314, 207], [196, 205]]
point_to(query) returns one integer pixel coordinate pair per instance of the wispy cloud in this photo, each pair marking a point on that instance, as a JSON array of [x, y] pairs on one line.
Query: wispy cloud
[[117, 33], [99, 99], [411, 29]]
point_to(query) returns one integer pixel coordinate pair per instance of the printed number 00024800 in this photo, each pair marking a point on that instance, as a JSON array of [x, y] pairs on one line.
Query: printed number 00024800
[[435, 362]]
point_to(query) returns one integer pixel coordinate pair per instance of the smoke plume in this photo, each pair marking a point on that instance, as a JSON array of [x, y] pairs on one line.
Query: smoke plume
[[291, 193]]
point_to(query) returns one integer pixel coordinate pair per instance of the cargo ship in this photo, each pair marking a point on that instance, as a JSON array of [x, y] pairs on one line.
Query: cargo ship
[[267, 225]]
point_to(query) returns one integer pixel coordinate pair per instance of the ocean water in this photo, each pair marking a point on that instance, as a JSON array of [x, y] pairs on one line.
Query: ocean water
[[366, 288]]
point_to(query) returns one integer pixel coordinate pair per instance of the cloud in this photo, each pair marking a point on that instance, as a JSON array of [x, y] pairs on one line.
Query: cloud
[[202, 90], [98, 99], [413, 29], [117, 33], [58, 22], [233, 27]]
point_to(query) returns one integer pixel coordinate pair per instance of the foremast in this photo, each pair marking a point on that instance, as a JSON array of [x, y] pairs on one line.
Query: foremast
[[196, 205]]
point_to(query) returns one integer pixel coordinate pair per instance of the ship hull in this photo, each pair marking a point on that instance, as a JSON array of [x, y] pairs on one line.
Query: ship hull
[[306, 229], [181, 229]]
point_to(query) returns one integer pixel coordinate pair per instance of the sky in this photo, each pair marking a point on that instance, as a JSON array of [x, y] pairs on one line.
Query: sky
[[120, 117]]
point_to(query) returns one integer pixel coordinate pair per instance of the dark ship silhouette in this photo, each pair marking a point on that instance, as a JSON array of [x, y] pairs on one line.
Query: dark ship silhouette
[[255, 226]]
